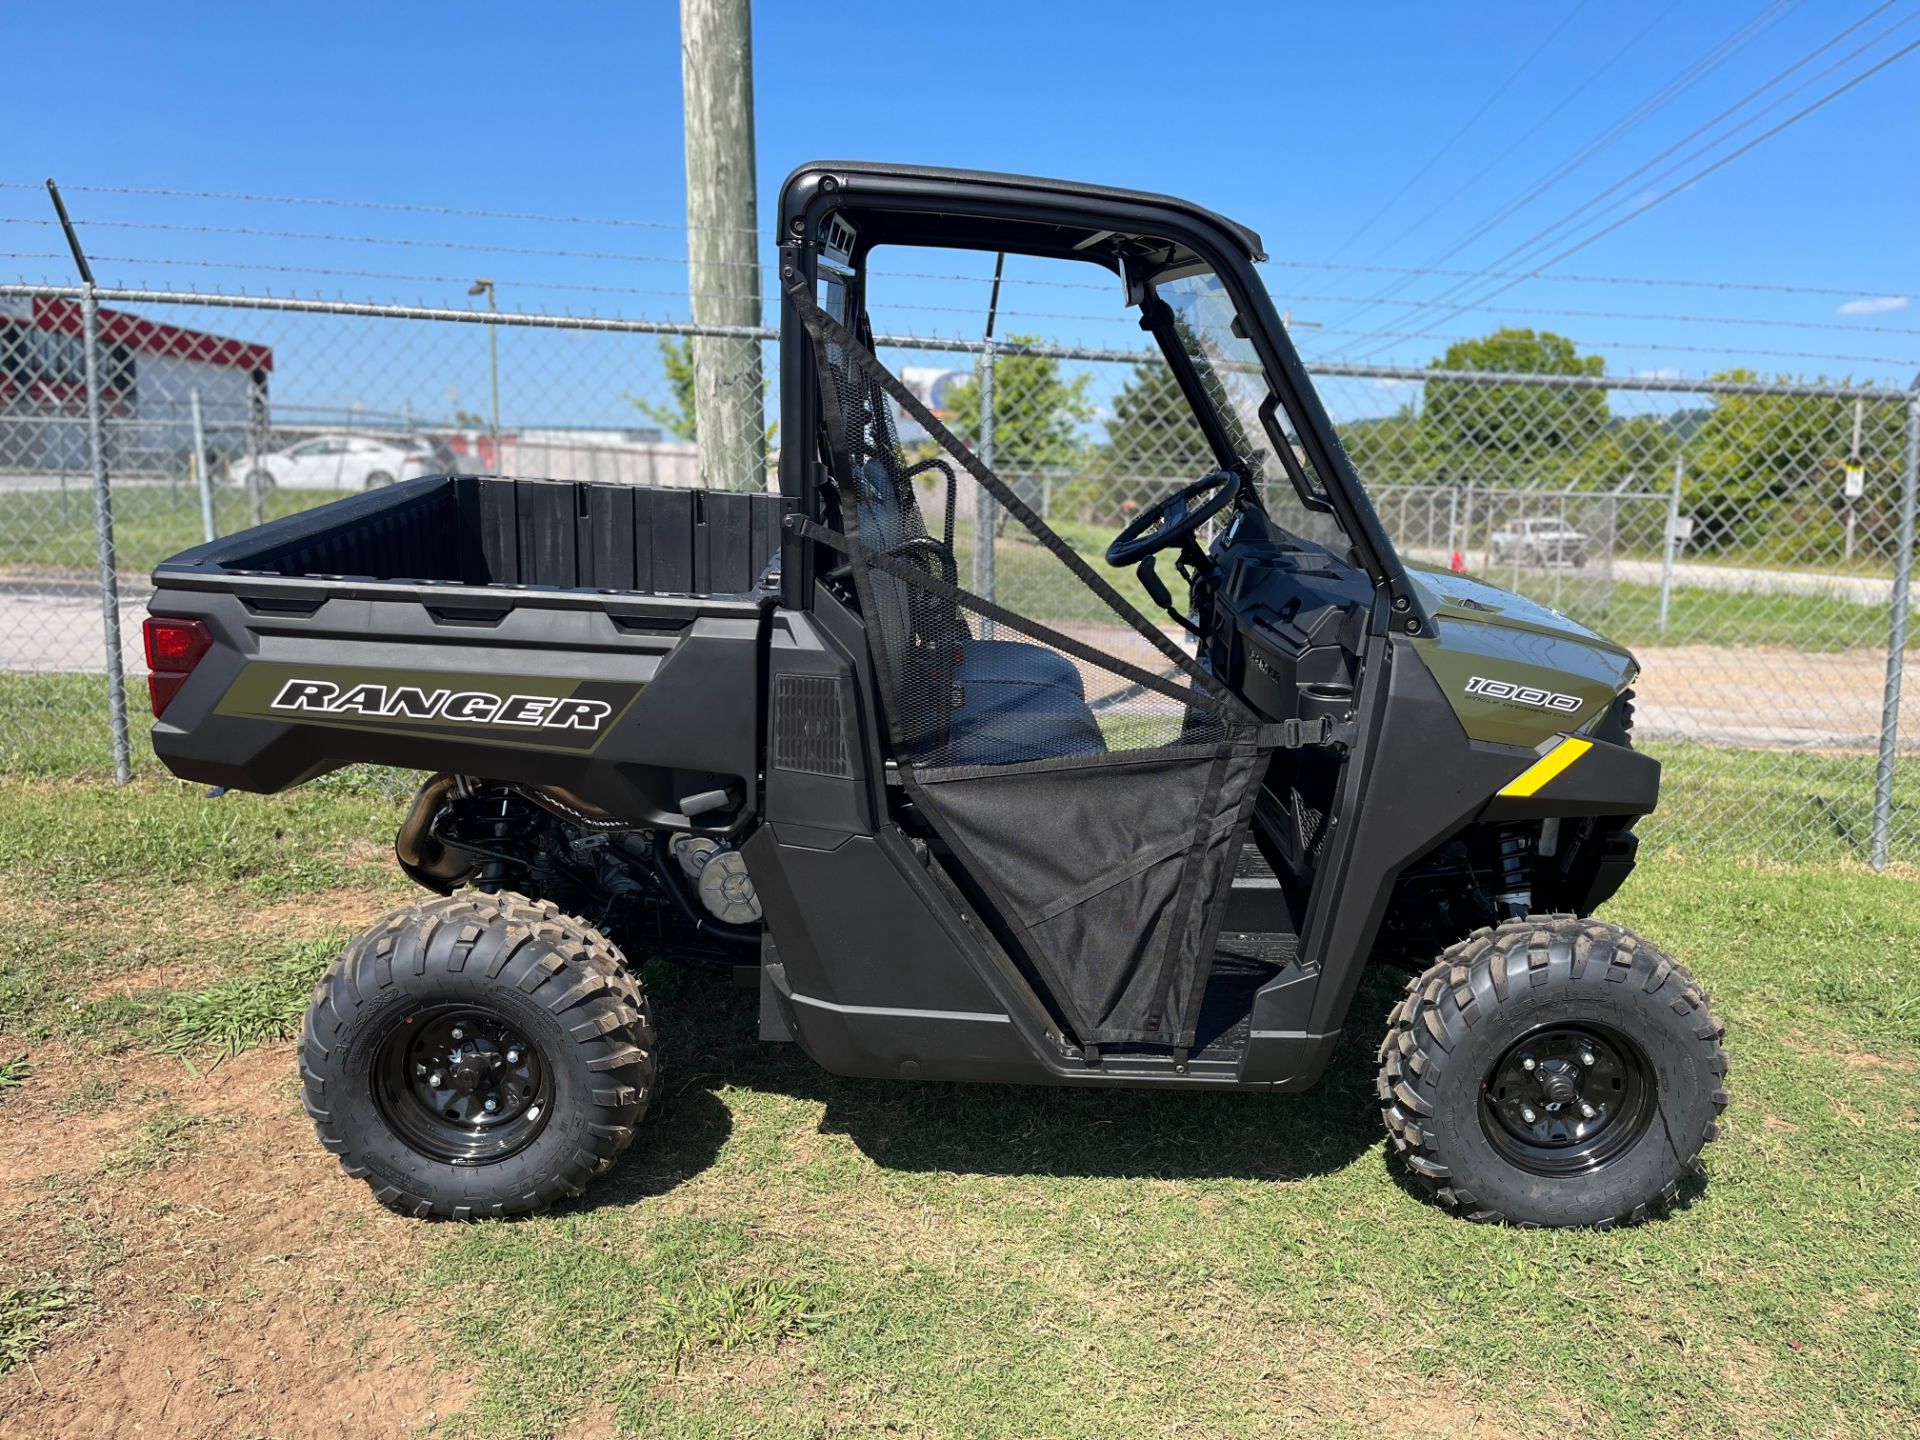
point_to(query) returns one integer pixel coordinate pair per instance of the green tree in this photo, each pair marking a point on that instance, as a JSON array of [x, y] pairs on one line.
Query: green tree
[[1152, 442], [1152, 434], [1636, 452], [1386, 449], [1038, 412], [1503, 434], [1764, 473], [678, 418]]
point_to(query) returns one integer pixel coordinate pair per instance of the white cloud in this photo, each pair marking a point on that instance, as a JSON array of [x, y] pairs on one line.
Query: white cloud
[[1874, 305]]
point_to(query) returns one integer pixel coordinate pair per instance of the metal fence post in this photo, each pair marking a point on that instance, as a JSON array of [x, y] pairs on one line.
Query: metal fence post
[[1673, 538], [984, 506], [103, 534], [1897, 638], [202, 471]]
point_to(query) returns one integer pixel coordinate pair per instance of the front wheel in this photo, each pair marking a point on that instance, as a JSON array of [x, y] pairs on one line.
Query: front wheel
[[1553, 1071], [477, 1055]]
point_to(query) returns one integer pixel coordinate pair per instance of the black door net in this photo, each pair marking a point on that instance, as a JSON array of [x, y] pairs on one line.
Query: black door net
[[1093, 780]]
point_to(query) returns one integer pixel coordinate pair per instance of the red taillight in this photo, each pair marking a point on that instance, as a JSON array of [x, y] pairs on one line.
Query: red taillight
[[174, 647]]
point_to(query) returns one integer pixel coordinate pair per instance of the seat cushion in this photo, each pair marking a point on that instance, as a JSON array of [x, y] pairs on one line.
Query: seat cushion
[[1015, 662], [1018, 702]]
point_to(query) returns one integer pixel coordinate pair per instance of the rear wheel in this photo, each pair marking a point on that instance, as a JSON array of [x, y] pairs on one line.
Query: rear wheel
[[379, 480], [1553, 1071], [260, 482], [477, 1055]]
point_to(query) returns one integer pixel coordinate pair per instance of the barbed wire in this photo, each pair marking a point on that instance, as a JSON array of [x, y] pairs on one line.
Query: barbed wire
[[1652, 348], [397, 206], [1762, 287], [1279, 262], [475, 247], [1658, 315], [928, 307]]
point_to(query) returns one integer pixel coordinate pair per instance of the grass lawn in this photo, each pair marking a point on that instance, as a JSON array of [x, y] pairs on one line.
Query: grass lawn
[[783, 1253], [39, 530]]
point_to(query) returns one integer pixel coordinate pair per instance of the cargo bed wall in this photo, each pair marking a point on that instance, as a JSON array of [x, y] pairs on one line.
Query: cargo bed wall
[[481, 530]]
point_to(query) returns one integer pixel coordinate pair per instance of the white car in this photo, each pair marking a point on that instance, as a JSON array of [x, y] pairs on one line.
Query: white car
[[1543, 540], [340, 462]]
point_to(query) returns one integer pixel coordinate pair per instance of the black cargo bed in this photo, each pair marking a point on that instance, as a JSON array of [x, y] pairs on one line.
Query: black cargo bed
[[479, 530]]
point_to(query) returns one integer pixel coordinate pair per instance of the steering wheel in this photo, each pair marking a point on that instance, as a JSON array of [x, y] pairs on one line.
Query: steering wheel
[[1172, 520]]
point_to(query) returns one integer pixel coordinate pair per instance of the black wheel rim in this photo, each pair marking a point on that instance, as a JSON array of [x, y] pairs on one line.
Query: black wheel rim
[[1567, 1099], [463, 1085]]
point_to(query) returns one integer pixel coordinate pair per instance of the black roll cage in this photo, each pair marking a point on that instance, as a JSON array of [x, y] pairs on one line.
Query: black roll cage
[[917, 206]]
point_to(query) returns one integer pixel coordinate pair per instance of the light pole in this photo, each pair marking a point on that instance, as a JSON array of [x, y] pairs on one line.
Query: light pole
[[484, 286]]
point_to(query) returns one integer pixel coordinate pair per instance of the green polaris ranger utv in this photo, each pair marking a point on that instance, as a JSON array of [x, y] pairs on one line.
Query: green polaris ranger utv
[[954, 835]]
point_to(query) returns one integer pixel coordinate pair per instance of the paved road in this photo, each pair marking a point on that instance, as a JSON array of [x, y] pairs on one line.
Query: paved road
[[1692, 574], [74, 482], [53, 624]]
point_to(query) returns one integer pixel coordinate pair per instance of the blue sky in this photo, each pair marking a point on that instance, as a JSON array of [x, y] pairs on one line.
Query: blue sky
[[1303, 120]]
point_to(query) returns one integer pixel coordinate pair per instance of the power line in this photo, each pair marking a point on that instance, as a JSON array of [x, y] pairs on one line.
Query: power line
[[1468, 124], [1528, 133], [1701, 174], [1645, 110], [1541, 237]]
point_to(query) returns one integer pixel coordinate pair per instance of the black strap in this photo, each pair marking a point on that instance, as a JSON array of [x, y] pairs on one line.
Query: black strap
[[826, 330], [913, 575]]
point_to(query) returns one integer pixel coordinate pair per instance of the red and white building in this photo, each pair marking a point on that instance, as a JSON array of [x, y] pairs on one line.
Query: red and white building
[[149, 371]]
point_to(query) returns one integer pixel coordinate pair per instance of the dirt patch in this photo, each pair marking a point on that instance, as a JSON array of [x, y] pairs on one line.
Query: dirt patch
[[1312, 1378], [1766, 695], [244, 1287], [46, 1137], [175, 975], [1862, 1060], [221, 924], [352, 908]]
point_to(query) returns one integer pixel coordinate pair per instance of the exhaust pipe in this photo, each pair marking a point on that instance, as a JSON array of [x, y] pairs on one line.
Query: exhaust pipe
[[426, 861]]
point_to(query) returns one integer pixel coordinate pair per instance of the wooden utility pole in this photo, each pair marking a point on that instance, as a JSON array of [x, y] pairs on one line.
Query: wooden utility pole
[[716, 62]]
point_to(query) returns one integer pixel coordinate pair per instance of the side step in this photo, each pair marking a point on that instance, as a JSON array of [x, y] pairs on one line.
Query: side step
[[1244, 962], [1258, 904]]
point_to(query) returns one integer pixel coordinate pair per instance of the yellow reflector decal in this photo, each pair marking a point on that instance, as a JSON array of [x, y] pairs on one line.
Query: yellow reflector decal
[[1529, 781]]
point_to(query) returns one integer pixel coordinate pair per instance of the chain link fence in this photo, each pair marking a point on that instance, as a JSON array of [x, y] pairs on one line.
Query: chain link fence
[[1748, 539]]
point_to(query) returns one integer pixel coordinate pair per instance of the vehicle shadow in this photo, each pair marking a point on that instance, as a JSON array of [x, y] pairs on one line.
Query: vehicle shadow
[[708, 1043]]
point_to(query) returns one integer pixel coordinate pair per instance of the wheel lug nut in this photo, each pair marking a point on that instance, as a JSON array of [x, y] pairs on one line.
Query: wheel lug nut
[[513, 1057], [492, 1104], [1528, 1114], [458, 1033], [1528, 1063], [436, 1080], [1586, 1057], [1587, 1112]]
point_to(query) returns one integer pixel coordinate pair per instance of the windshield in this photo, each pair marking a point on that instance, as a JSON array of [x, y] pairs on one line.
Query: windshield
[[1208, 325]]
